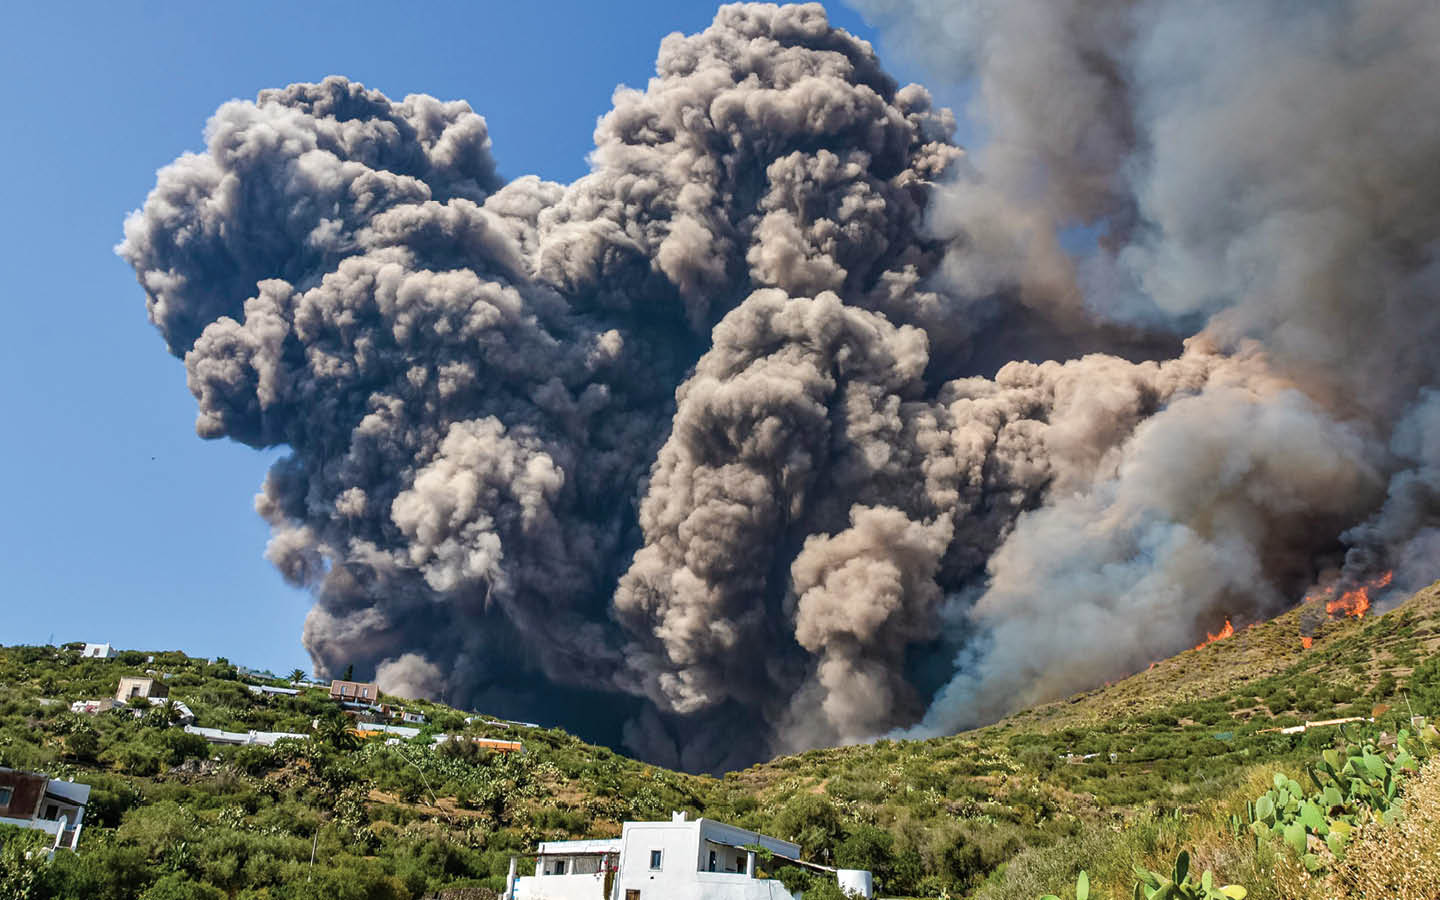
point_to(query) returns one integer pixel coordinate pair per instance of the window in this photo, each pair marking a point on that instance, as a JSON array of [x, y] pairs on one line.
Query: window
[[654, 860], [5, 795], [632, 895], [559, 867]]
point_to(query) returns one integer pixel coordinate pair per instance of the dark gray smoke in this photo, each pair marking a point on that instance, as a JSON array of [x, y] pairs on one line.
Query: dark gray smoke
[[748, 434]]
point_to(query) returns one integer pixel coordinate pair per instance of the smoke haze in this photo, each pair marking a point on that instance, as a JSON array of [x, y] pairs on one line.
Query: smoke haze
[[793, 423]]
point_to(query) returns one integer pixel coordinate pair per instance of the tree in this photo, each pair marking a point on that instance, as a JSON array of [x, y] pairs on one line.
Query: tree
[[335, 731], [297, 675], [83, 742], [22, 854], [349, 673], [164, 714]]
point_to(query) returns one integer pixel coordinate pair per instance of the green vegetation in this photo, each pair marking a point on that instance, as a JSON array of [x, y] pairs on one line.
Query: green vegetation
[[1182, 756], [1180, 886]]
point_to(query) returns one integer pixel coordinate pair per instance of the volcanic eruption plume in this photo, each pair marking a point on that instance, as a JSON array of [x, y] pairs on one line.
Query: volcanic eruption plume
[[793, 423]]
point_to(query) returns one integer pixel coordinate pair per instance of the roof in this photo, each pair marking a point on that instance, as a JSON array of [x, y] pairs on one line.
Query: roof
[[267, 689], [381, 728], [215, 735], [69, 791], [592, 847], [734, 836]]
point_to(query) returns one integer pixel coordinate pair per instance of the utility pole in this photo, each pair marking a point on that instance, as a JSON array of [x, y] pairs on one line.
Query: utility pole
[[311, 874]]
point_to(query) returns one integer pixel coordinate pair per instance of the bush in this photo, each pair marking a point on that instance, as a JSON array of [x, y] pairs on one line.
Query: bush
[[176, 886], [1399, 861], [22, 856]]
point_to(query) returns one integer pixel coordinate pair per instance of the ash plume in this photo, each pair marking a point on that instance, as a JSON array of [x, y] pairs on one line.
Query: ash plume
[[793, 423]]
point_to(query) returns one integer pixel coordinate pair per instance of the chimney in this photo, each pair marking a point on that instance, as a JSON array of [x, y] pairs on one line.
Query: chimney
[[677, 817]]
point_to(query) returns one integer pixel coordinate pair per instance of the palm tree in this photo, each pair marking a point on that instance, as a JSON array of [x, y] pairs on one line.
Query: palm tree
[[335, 731], [297, 675]]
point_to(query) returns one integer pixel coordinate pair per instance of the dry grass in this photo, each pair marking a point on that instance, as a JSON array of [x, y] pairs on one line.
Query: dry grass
[[1399, 861], [1254, 653]]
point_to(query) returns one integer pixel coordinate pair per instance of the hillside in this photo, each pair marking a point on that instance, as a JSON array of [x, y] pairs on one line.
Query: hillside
[[1012, 810]]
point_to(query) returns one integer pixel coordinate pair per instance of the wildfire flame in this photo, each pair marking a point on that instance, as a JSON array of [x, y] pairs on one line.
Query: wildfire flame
[[1220, 635], [1306, 642], [1354, 602]]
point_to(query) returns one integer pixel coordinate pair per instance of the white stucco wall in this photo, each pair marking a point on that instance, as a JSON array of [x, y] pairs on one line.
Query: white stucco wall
[[683, 872], [683, 854], [560, 887]]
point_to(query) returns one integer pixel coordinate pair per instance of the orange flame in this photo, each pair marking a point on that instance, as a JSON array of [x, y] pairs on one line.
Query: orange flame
[[1306, 642], [1220, 635], [1354, 602]]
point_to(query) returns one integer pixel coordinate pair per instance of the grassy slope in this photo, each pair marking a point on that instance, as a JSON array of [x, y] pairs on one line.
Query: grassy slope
[[996, 811]]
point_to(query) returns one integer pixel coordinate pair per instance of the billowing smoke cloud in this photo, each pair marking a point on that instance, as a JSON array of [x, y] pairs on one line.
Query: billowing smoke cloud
[[749, 434], [1255, 172]]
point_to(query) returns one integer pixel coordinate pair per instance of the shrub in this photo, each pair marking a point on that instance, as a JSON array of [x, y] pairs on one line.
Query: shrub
[[22, 854], [1399, 861], [176, 886]]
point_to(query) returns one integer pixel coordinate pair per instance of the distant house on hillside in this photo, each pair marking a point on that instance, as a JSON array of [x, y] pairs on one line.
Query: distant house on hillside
[[363, 693], [181, 714], [498, 746], [132, 687], [33, 800], [676, 860], [240, 738], [97, 651], [267, 689]]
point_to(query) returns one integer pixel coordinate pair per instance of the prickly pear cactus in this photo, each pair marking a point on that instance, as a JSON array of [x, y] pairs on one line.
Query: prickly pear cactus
[[1178, 886], [1352, 786]]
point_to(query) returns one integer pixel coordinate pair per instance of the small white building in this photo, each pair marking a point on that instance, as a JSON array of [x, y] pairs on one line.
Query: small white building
[[676, 860], [132, 687], [265, 689], [242, 738], [97, 651]]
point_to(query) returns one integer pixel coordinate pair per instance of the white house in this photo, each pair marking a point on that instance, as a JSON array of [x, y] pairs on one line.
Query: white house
[[97, 651], [241, 738], [676, 860], [32, 800], [264, 689]]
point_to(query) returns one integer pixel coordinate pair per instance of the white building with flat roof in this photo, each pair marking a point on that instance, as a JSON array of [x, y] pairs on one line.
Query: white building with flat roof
[[682, 859]]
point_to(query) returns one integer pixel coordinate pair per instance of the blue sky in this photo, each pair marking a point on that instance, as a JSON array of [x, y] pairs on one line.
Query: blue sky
[[118, 523]]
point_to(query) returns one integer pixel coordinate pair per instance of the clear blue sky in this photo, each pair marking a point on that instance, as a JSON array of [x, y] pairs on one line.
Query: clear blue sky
[[118, 523]]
